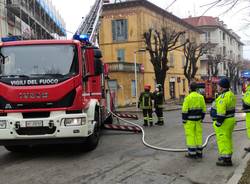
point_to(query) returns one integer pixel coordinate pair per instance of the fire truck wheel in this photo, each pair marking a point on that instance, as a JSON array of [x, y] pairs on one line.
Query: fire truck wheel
[[92, 140], [17, 148]]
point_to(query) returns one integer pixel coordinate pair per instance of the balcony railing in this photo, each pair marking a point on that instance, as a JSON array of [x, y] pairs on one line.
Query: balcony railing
[[123, 67]]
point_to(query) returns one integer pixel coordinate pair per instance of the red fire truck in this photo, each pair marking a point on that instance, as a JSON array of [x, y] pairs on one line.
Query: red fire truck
[[54, 91], [51, 91], [208, 88], [245, 79]]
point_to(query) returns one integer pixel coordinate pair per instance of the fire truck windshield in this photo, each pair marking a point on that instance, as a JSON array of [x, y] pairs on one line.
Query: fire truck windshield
[[36, 60]]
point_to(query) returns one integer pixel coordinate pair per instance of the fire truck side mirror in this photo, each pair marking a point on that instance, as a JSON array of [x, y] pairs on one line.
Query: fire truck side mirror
[[93, 62], [98, 62]]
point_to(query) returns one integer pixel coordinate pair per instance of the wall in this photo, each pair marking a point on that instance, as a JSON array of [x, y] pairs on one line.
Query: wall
[[140, 19]]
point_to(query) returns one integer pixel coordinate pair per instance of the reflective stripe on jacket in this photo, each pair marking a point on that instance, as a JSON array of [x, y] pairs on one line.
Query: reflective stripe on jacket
[[158, 99], [194, 107], [225, 106], [145, 100]]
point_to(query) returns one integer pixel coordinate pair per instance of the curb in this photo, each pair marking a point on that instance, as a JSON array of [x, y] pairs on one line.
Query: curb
[[239, 170], [174, 109]]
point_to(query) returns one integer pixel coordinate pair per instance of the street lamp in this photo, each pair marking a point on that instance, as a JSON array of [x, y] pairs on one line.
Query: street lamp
[[136, 93]]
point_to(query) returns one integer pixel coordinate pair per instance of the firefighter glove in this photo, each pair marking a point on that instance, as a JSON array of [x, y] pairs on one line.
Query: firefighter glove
[[183, 122]]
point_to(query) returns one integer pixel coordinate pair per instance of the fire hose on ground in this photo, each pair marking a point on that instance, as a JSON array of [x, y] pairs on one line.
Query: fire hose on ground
[[169, 149]]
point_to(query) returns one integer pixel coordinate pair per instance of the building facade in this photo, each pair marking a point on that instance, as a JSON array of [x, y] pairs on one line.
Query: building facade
[[30, 19], [225, 42], [122, 43]]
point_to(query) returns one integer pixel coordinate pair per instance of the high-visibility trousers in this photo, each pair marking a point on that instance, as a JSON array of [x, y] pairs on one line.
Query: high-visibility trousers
[[248, 124], [193, 132], [224, 137]]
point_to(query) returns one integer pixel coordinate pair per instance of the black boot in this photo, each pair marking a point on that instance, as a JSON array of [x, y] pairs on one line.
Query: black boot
[[199, 152], [224, 162], [145, 123], [188, 155], [159, 123], [151, 123], [247, 149], [199, 155]]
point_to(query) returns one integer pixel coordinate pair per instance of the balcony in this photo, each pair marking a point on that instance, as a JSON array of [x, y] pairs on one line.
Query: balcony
[[124, 67]]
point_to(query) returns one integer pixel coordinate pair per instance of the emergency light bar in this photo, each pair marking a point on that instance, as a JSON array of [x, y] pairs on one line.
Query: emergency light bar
[[82, 38], [11, 38], [245, 74]]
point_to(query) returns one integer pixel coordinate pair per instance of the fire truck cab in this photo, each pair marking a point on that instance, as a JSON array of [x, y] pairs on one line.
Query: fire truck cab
[[52, 91]]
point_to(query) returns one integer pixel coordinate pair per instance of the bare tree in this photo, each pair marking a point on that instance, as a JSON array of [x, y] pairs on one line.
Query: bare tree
[[229, 4], [233, 70], [192, 53], [213, 63], [159, 44]]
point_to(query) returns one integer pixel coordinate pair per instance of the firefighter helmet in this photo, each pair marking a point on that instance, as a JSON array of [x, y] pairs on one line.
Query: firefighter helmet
[[147, 87]]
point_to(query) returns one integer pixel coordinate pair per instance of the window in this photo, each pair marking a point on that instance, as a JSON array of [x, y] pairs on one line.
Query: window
[[113, 85], [36, 60], [207, 36], [224, 36], [11, 18], [184, 85], [182, 39], [121, 55], [224, 51], [120, 30], [133, 90], [171, 60]]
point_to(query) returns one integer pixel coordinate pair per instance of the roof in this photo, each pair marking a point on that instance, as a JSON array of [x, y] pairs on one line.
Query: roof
[[203, 21], [152, 7], [209, 21]]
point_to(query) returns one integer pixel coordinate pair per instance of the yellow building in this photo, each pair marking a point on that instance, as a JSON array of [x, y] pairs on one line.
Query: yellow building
[[121, 41]]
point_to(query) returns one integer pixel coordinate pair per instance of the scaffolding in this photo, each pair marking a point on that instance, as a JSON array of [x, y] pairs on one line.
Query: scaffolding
[[39, 17]]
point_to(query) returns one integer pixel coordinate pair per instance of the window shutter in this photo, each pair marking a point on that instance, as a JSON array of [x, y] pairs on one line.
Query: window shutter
[[126, 29], [114, 30]]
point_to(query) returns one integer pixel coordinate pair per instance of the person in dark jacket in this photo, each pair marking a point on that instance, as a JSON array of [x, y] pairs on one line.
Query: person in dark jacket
[[158, 104], [145, 103]]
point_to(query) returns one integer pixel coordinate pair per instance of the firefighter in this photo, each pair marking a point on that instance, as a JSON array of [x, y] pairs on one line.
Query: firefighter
[[193, 112], [246, 108], [222, 112], [145, 103], [158, 104]]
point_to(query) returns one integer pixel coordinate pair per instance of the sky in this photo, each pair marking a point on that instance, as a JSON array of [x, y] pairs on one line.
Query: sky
[[72, 11]]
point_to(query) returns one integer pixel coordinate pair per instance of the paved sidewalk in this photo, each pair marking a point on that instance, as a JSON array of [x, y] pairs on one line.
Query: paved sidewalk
[[168, 106], [242, 173]]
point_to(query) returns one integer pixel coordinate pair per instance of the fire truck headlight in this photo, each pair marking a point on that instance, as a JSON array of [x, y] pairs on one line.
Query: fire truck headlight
[[3, 124], [74, 121]]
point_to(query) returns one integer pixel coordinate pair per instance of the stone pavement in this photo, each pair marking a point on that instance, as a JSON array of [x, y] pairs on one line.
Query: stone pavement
[[241, 174]]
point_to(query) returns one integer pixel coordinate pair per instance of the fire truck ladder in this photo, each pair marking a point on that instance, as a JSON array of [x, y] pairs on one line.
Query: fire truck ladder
[[91, 22]]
